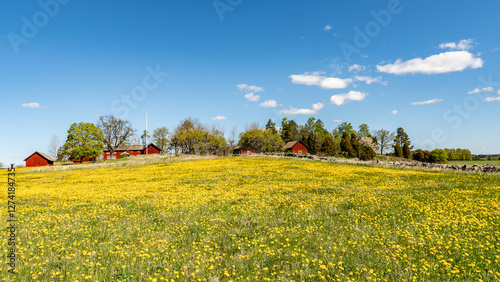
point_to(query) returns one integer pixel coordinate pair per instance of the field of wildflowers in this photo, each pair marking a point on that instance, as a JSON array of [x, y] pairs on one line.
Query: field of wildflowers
[[257, 219]]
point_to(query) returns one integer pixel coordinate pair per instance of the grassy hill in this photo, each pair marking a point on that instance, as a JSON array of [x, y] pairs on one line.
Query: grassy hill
[[258, 219]]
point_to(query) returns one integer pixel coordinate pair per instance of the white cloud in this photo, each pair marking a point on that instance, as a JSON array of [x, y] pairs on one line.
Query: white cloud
[[252, 97], [328, 27], [395, 112], [294, 111], [249, 88], [477, 90], [369, 80], [498, 92], [345, 98], [492, 98], [433, 101], [464, 44], [337, 120], [269, 104], [440, 63], [318, 106], [319, 80], [356, 68], [33, 105], [219, 118]]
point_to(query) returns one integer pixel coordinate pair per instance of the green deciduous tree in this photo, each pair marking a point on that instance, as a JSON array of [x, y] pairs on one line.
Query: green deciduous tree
[[364, 131], [439, 156], [261, 141], [84, 140], [191, 137], [160, 138], [345, 127]]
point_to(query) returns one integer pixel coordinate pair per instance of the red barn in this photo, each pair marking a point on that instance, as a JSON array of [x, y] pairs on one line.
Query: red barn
[[296, 147], [39, 159], [239, 150], [132, 150], [151, 149]]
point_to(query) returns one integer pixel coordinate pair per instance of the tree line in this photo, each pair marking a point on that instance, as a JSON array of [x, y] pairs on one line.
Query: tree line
[[190, 136]]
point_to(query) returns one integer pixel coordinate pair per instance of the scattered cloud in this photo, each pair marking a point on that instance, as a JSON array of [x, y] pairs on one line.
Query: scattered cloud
[[395, 112], [369, 80], [433, 101], [219, 118], [327, 27], [252, 97], [477, 90], [269, 104], [318, 106], [356, 68], [464, 44], [345, 98], [249, 88], [317, 79], [492, 98], [295, 111], [337, 120], [498, 92], [441, 63], [33, 105]]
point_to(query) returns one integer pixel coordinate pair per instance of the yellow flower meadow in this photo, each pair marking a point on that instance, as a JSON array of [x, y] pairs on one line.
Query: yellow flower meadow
[[255, 219]]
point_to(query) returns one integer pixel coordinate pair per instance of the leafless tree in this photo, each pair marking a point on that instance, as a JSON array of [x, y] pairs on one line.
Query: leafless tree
[[385, 139], [115, 131], [232, 137], [54, 145]]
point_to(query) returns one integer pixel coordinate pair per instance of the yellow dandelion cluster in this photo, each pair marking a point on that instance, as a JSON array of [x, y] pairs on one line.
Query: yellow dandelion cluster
[[255, 219]]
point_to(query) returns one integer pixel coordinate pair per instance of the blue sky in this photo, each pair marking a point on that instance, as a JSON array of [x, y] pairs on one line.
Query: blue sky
[[385, 63]]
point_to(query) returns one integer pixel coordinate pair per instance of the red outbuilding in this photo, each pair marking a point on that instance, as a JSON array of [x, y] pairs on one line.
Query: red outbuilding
[[39, 159], [132, 150], [239, 150], [296, 147]]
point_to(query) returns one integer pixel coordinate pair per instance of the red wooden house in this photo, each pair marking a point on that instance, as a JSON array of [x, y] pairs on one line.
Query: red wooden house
[[239, 150], [38, 159], [296, 147], [132, 150]]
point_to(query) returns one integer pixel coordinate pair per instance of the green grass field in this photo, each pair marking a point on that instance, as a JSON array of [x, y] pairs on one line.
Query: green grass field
[[255, 219]]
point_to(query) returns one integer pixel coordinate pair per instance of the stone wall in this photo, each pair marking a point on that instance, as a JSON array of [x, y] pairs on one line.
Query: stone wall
[[473, 168]]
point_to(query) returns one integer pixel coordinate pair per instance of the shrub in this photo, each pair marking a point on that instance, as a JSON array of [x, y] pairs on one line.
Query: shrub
[[439, 156], [366, 153]]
